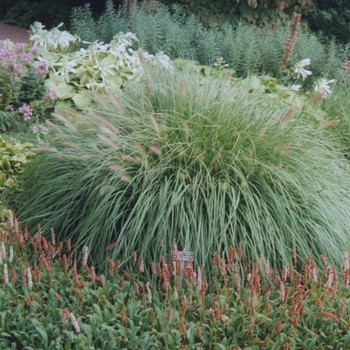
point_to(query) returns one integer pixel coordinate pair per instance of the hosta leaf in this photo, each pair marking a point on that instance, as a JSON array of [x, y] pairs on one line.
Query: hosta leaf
[[80, 100], [60, 106], [64, 91], [113, 83], [81, 71]]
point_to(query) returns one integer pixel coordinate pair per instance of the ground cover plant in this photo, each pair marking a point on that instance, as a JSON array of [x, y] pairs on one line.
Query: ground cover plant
[[204, 162], [54, 299]]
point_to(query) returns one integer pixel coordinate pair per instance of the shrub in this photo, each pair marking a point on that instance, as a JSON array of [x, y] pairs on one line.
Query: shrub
[[199, 162], [257, 12], [24, 12], [332, 17], [48, 301]]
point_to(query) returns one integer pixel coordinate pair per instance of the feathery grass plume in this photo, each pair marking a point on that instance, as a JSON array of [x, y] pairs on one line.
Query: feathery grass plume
[[328, 123], [292, 37], [288, 116], [263, 194]]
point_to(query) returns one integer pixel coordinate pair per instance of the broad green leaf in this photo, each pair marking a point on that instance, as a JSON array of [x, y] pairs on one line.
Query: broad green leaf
[[80, 100]]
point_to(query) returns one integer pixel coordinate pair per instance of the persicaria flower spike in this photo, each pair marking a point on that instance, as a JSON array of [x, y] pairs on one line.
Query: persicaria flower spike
[[85, 255], [6, 276], [74, 322], [11, 254], [149, 294], [3, 250], [199, 279], [29, 276], [345, 264]]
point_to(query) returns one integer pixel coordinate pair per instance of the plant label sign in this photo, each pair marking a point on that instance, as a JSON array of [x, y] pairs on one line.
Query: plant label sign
[[185, 256]]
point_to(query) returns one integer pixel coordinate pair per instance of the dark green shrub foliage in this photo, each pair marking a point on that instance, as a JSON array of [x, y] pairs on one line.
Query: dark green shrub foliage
[[198, 162], [258, 12], [332, 17], [23, 13]]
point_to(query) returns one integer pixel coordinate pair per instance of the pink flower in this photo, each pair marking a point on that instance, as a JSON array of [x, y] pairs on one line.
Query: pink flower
[[149, 294], [29, 276], [282, 291], [74, 322], [6, 276], [26, 110], [345, 264], [199, 279], [85, 255]]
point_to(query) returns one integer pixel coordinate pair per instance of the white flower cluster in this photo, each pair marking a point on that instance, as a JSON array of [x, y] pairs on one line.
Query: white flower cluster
[[101, 65], [53, 39], [321, 85], [118, 55]]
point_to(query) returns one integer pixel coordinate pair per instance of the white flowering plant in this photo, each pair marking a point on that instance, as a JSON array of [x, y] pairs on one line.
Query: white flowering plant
[[97, 67], [299, 72], [299, 69], [52, 39]]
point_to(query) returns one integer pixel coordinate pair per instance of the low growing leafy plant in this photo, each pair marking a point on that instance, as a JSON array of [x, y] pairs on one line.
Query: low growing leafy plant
[[50, 300]]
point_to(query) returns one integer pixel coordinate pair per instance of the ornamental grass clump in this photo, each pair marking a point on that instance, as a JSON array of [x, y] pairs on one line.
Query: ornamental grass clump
[[200, 162]]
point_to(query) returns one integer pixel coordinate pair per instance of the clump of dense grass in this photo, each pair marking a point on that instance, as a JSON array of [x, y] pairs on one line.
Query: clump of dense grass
[[337, 107], [49, 300], [247, 49], [197, 162]]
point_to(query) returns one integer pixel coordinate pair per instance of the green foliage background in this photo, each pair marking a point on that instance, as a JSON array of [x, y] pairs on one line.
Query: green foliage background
[[332, 17], [246, 49]]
